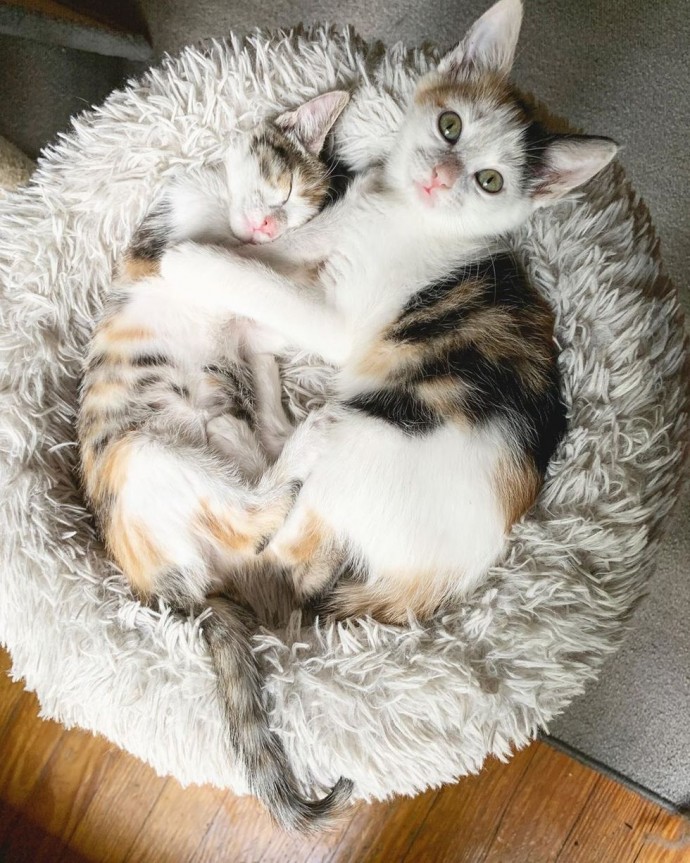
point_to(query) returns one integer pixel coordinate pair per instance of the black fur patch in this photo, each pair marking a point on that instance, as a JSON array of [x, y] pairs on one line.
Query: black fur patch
[[339, 179], [399, 407], [152, 236], [485, 375]]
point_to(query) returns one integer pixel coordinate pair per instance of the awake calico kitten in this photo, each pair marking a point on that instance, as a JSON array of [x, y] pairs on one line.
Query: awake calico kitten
[[447, 397], [180, 407]]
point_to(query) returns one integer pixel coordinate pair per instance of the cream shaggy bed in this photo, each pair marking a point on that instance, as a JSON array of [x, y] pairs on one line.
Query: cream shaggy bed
[[395, 709]]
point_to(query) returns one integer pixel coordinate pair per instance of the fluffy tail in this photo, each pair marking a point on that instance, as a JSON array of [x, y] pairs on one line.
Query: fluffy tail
[[228, 632]]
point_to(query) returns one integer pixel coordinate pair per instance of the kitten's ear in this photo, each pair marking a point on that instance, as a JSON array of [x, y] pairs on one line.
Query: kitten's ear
[[311, 122], [567, 163], [489, 45]]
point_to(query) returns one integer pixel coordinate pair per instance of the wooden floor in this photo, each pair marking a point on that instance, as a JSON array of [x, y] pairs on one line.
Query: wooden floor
[[66, 796]]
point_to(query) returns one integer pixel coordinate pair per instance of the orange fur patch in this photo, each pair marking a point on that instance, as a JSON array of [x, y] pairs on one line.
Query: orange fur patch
[[136, 269], [437, 95], [221, 531], [517, 487], [114, 333], [135, 553], [439, 92], [393, 598], [312, 537], [111, 473], [385, 357], [444, 395], [312, 557], [109, 391]]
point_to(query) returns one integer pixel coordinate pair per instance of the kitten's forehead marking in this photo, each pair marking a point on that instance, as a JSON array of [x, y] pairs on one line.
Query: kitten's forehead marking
[[490, 92], [285, 166]]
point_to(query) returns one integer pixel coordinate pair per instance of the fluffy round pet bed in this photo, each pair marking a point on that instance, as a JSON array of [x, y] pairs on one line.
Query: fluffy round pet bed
[[395, 709]]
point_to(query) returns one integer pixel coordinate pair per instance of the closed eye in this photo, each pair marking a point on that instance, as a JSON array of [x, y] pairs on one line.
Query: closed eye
[[287, 197]]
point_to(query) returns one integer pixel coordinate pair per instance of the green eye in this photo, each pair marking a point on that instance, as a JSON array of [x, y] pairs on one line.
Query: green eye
[[490, 180], [450, 126]]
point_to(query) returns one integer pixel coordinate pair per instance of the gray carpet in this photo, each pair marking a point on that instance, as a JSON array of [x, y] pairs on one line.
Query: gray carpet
[[617, 69]]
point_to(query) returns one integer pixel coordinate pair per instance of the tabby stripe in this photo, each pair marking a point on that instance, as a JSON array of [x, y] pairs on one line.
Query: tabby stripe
[[143, 360]]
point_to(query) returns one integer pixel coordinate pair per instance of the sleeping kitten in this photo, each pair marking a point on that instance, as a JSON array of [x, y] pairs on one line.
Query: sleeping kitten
[[447, 404], [171, 402]]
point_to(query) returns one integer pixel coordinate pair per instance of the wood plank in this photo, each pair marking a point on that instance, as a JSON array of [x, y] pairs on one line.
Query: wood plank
[[611, 827], [473, 807], [77, 797], [10, 692], [176, 824], [318, 848], [382, 830], [667, 842], [553, 791], [78, 766], [117, 809], [28, 744], [26, 842], [252, 831]]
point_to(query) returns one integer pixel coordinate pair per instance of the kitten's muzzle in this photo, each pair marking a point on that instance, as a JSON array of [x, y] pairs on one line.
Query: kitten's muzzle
[[262, 230], [443, 176]]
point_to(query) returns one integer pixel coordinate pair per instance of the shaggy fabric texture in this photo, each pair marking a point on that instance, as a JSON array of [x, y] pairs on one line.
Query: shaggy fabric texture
[[395, 709]]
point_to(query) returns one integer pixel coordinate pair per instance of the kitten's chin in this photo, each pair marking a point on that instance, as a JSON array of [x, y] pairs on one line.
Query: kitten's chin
[[259, 240], [434, 202], [429, 198], [253, 239]]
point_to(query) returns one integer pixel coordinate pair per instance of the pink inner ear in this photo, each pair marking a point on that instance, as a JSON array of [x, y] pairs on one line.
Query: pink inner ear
[[311, 122], [490, 43], [571, 163]]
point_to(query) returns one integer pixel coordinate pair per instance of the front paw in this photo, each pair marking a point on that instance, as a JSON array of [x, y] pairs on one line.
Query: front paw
[[181, 263], [189, 263]]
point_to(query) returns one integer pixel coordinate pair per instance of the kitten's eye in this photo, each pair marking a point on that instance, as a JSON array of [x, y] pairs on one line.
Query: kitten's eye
[[490, 180], [287, 197], [450, 126]]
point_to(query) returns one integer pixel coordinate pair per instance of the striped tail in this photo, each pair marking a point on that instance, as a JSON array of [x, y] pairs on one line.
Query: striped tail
[[270, 777]]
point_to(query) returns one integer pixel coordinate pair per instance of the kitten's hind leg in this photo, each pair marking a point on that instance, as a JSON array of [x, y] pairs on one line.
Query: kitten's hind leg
[[359, 599], [232, 437], [389, 600], [279, 486], [307, 549], [274, 427]]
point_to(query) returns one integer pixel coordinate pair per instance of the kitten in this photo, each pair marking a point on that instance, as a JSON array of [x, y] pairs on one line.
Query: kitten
[[447, 396], [174, 401]]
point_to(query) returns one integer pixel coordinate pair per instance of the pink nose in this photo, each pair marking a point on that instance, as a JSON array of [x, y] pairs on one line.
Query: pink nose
[[265, 226], [443, 176]]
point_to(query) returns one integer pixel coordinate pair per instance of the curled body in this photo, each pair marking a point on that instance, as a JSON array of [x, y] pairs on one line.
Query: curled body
[[188, 460], [447, 406]]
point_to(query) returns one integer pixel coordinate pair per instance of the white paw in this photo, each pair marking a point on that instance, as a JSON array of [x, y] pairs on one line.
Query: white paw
[[180, 262], [309, 440]]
